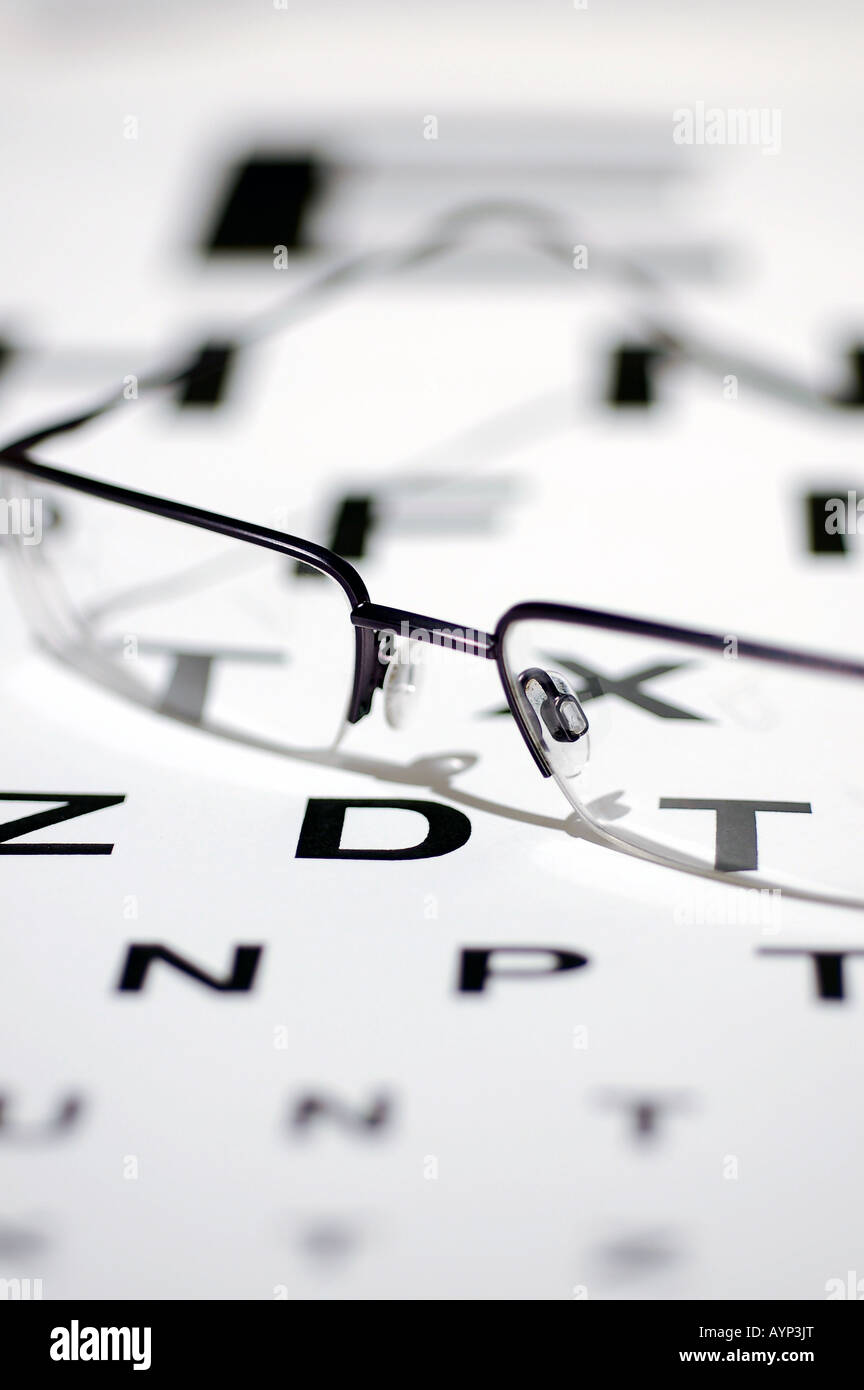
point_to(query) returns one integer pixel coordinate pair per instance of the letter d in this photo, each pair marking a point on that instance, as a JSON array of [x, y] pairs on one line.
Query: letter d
[[324, 821]]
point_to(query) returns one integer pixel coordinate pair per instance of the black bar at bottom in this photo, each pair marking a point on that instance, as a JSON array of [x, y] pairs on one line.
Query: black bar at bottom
[[228, 1338]]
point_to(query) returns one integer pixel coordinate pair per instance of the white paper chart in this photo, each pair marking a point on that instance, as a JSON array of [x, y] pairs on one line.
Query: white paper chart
[[626, 372]]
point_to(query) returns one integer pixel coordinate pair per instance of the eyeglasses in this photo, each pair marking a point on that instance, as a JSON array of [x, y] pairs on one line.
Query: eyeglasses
[[700, 751]]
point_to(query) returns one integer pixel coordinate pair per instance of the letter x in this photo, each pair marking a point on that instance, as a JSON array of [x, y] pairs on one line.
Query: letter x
[[628, 687]]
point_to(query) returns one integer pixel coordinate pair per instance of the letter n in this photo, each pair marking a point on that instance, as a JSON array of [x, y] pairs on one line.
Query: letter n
[[141, 956]]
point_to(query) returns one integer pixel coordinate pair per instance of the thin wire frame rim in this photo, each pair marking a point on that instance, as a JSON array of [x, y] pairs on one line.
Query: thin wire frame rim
[[371, 620]]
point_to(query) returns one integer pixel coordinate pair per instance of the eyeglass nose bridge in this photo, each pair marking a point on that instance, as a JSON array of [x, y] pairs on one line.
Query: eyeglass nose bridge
[[375, 621]]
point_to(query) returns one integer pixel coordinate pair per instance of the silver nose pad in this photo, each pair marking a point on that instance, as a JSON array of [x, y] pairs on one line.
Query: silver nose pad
[[402, 682], [556, 719]]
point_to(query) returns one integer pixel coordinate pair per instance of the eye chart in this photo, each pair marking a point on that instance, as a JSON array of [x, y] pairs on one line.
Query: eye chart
[[394, 1024]]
